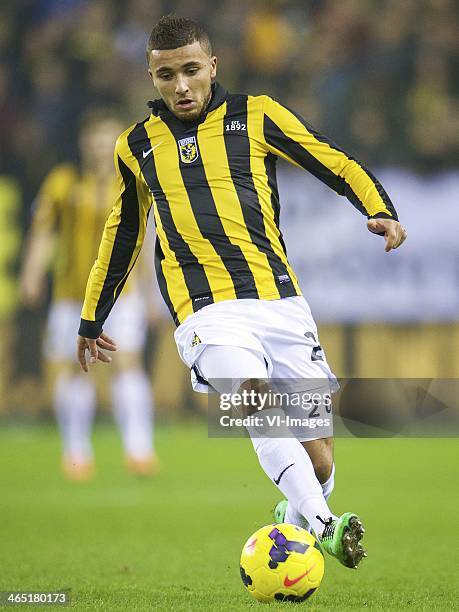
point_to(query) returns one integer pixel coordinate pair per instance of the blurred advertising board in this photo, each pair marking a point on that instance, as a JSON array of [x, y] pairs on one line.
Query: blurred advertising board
[[343, 270]]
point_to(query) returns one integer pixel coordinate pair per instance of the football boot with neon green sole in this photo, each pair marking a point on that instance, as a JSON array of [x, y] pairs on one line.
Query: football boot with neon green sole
[[280, 510], [341, 539]]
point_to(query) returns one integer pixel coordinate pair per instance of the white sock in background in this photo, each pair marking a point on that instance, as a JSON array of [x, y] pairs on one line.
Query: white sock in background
[[133, 409], [75, 405], [289, 466], [295, 518]]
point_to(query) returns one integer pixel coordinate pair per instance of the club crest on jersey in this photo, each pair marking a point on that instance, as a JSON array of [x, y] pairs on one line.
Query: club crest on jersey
[[188, 148]]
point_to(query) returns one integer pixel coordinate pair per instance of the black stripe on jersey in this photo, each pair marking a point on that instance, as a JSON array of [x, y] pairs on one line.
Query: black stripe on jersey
[[193, 272], [208, 220], [237, 146], [123, 245], [380, 189], [159, 256], [270, 167], [276, 138]]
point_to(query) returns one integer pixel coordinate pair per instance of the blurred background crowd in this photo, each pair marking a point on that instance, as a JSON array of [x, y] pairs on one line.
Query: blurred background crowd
[[377, 76]]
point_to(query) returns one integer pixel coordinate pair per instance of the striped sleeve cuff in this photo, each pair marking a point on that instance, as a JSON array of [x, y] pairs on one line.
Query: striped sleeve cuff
[[90, 329], [383, 215]]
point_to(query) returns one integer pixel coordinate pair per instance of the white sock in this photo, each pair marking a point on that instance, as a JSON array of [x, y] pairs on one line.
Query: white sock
[[75, 405], [289, 466], [133, 409], [295, 518], [329, 485]]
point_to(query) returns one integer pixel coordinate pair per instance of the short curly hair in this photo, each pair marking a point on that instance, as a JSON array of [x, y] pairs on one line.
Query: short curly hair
[[172, 32]]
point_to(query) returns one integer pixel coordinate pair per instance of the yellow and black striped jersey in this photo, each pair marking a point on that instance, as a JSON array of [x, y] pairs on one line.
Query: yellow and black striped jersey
[[73, 206], [212, 184]]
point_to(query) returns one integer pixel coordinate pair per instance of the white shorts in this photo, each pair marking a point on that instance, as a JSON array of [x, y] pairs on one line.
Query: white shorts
[[283, 331], [127, 325]]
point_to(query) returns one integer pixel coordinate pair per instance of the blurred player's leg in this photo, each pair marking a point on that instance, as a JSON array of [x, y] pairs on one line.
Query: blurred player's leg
[[75, 405], [133, 408], [132, 397], [168, 367], [74, 395]]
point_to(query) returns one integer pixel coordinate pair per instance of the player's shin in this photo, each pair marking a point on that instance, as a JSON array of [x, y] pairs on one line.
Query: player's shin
[[291, 515], [289, 466]]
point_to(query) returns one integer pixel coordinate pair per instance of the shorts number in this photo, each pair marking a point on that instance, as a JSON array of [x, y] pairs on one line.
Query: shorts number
[[317, 352], [314, 413]]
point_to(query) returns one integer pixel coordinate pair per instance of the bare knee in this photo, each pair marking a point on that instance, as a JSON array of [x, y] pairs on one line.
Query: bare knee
[[258, 387], [126, 361]]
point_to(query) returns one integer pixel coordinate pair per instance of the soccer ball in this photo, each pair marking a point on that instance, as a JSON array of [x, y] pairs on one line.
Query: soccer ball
[[281, 563]]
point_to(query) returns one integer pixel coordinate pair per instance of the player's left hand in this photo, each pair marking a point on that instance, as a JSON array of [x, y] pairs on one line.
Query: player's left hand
[[394, 234]]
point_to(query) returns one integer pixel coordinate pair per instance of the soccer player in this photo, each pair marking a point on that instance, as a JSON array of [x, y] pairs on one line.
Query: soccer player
[[69, 216], [205, 160]]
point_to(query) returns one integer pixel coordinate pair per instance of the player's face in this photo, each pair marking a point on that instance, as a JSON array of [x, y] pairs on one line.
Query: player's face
[[183, 78]]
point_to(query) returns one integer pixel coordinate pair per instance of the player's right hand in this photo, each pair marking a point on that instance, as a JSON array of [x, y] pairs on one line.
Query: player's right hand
[[393, 232], [103, 341]]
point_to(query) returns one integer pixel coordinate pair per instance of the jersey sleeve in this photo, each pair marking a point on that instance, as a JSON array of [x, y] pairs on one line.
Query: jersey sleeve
[[120, 246], [289, 136]]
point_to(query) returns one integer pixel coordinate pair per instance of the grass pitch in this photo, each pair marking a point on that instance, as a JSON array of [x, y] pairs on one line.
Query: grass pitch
[[173, 542]]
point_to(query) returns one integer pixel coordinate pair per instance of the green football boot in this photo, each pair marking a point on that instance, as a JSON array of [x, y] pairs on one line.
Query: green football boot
[[280, 510], [341, 539]]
